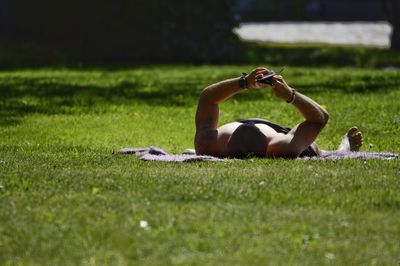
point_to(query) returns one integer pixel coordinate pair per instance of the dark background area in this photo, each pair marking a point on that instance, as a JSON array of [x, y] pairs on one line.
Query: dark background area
[[64, 32], [136, 31], [311, 10]]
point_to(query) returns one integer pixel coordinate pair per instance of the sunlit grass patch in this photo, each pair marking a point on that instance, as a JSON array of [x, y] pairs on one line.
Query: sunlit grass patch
[[66, 199]]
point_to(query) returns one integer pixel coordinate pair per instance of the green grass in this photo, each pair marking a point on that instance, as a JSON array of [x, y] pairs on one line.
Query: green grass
[[66, 200]]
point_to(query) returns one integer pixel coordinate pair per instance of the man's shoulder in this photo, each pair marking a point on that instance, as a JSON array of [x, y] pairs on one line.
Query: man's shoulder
[[213, 141], [205, 140]]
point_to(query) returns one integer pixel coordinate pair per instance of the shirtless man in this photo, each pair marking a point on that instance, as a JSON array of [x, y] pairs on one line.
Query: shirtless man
[[262, 138]]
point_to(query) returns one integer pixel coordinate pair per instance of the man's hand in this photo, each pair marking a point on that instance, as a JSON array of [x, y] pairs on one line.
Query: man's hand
[[253, 76], [281, 88]]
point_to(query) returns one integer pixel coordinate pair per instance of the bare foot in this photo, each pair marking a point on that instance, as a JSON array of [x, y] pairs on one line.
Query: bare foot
[[352, 141]]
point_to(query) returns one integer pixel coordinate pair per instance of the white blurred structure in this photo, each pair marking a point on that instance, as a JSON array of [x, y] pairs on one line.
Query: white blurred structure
[[347, 33]]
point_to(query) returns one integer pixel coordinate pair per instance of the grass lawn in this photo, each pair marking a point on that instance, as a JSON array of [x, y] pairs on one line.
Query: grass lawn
[[66, 200]]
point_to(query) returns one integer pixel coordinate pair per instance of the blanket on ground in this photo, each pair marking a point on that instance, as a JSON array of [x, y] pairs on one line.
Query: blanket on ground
[[153, 153]]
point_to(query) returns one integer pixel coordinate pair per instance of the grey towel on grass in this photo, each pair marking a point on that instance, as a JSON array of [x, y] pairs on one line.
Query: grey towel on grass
[[334, 155], [153, 153]]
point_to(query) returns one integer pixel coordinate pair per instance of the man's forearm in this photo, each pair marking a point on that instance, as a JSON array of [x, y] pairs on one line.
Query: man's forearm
[[221, 91], [310, 109]]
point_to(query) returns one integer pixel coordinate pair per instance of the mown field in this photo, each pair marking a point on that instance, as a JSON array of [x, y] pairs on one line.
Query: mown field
[[65, 199]]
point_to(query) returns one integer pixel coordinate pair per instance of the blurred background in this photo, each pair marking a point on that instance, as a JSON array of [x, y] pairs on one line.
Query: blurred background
[[88, 32]]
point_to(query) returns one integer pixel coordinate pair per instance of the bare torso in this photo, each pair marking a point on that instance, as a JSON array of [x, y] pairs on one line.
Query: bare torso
[[226, 131]]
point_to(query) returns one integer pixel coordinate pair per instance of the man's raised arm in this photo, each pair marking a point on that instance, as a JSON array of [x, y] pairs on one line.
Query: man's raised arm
[[211, 96], [305, 133], [207, 113]]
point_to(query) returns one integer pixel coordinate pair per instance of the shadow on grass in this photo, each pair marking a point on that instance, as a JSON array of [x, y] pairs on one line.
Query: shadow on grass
[[297, 54], [24, 95], [31, 96], [321, 55]]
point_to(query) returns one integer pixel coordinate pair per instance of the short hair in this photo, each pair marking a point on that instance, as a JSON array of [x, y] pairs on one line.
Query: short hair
[[247, 141]]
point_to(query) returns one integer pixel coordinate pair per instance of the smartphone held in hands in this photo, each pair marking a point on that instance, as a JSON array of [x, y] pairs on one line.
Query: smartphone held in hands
[[267, 78]]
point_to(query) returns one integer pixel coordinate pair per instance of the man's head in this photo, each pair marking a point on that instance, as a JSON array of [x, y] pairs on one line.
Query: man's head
[[247, 140]]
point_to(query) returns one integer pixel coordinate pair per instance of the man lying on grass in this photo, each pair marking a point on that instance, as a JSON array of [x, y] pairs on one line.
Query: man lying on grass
[[258, 137]]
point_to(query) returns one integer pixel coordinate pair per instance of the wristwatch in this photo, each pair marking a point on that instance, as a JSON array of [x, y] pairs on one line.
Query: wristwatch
[[243, 81]]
